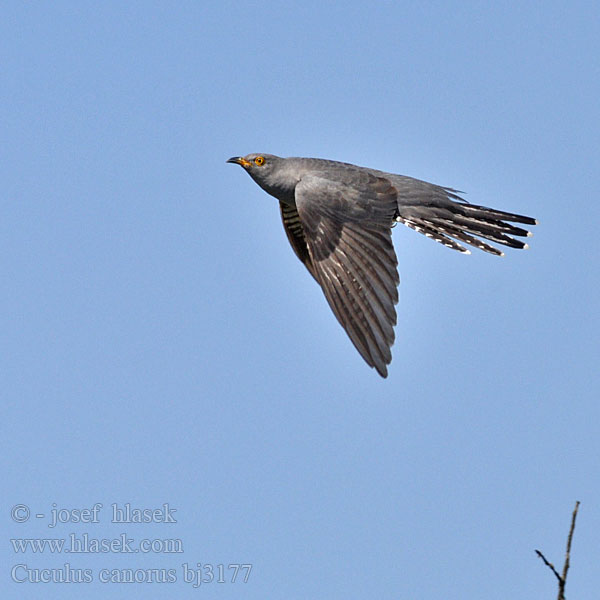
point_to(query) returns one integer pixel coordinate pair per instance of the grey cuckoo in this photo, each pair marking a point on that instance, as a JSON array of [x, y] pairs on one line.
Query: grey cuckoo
[[338, 218]]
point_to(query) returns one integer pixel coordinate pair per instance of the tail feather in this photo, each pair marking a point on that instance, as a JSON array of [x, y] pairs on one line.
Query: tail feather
[[488, 225], [483, 212], [433, 232], [473, 241], [454, 218], [481, 230], [464, 234]]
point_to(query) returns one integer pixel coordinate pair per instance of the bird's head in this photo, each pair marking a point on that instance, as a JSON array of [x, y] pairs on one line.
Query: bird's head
[[271, 172], [258, 165]]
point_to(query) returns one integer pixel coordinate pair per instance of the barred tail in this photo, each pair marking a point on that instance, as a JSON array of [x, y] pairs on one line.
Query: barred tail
[[450, 221]]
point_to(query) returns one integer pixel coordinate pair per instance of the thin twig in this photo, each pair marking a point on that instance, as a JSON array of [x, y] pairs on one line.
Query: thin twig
[[548, 564], [562, 579]]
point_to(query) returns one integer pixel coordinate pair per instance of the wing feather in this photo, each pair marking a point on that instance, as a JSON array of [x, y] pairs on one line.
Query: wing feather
[[347, 230], [295, 235]]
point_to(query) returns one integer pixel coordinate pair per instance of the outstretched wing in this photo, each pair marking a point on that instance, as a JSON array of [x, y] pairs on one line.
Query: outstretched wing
[[347, 231]]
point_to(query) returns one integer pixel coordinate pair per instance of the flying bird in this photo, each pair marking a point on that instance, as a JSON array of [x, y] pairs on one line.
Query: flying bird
[[338, 219]]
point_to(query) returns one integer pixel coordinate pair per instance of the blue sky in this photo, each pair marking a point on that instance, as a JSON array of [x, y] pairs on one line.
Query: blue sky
[[164, 345]]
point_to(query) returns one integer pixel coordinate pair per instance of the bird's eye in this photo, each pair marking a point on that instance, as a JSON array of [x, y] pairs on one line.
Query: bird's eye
[[259, 160]]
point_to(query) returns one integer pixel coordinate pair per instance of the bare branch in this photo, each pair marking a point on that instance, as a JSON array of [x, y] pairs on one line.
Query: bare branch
[[562, 579]]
